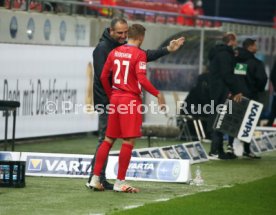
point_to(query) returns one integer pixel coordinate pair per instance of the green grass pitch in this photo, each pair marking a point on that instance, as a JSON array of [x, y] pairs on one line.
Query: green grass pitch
[[239, 186]]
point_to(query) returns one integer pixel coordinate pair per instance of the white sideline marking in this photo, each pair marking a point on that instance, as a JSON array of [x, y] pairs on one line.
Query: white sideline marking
[[132, 206], [211, 188], [227, 186], [96, 214], [185, 194], [162, 200], [208, 190]]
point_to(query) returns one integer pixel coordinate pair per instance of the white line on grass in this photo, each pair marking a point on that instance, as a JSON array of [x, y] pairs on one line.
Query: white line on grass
[[96, 214], [162, 200], [207, 189], [227, 186], [132, 206]]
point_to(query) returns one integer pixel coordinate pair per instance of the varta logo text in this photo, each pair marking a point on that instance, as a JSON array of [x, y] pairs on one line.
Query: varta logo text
[[67, 166], [141, 166], [35, 165]]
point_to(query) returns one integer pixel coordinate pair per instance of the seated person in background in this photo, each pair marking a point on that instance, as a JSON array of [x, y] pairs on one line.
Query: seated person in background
[[198, 97], [188, 9]]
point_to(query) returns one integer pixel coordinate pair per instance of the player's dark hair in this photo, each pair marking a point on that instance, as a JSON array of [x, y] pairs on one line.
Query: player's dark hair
[[248, 42], [227, 37], [117, 20], [135, 31]]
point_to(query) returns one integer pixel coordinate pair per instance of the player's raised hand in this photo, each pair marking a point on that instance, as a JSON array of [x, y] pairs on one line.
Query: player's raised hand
[[175, 44]]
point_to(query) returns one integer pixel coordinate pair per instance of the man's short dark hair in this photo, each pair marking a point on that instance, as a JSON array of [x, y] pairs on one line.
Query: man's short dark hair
[[135, 31], [116, 20], [248, 42]]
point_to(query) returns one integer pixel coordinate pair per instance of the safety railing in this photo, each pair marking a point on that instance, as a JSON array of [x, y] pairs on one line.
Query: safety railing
[[94, 8]]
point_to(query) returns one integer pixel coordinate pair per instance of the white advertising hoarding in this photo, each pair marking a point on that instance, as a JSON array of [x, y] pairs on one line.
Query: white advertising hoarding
[[51, 84], [78, 166], [250, 120]]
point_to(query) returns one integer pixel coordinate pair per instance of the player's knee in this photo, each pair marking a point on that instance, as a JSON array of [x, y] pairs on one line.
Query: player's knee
[[130, 141], [109, 140]]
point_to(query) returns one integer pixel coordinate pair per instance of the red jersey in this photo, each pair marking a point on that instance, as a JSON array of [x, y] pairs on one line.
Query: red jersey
[[127, 66]]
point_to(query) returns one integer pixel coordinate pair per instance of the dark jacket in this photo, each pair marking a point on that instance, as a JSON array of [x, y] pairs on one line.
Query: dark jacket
[[100, 54], [273, 76], [198, 95], [255, 79], [222, 79]]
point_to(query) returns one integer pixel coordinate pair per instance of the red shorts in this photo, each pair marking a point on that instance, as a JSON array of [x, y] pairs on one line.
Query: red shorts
[[124, 117]]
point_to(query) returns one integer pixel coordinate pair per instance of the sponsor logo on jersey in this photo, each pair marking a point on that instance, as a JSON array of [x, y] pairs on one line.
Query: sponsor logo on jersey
[[142, 65], [240, 69]]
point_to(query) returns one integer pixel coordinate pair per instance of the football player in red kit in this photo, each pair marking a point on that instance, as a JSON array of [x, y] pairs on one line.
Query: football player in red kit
[[126, 65]]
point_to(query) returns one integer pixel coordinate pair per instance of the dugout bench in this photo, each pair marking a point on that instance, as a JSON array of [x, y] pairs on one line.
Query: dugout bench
[[7, 107]]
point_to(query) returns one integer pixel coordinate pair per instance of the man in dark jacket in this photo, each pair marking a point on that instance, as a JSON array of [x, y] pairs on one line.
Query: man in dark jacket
[[113, 37], [250, 70], [272, 115], [251, 74], [222, 81]]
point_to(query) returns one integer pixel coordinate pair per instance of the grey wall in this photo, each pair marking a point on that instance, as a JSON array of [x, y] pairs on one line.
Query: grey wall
[[61, 29], [85, 31]]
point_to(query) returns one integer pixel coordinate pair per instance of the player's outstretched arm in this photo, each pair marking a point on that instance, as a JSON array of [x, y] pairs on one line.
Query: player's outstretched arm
[[175, 44]]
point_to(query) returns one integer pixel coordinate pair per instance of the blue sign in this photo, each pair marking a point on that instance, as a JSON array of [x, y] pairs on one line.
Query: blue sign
[[13, 27], [30, 28], [157, 170], [47, 29], [62, 30]]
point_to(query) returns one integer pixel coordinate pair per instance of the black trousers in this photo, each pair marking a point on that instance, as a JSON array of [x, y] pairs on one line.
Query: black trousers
[[103, 118], [272, 115], [218, 96], [216, 137]]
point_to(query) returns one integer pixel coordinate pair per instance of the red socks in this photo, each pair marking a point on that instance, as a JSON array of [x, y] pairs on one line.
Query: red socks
[[101, 157], [124, 159]]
